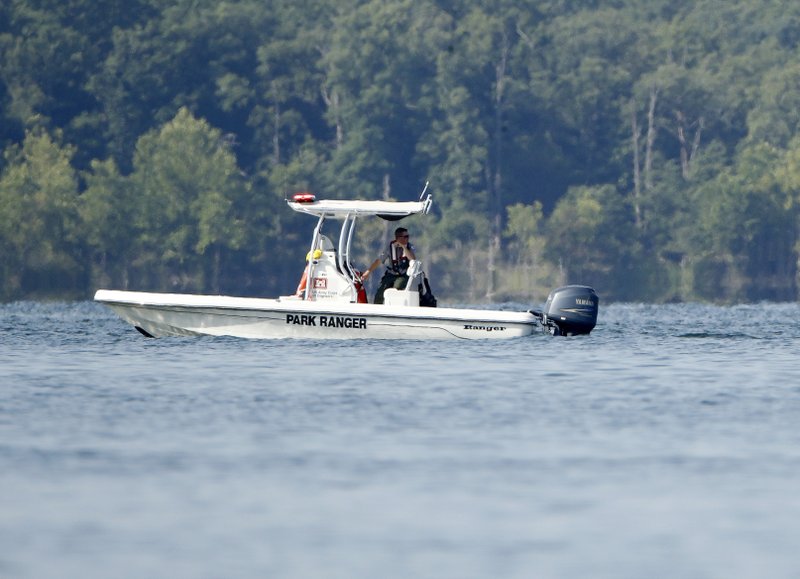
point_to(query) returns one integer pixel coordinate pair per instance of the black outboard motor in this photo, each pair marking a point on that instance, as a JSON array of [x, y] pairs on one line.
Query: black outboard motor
[[570, 311]]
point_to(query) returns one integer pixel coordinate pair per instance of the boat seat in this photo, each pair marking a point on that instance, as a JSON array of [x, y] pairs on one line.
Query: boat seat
[[396, 297], [410, 295]]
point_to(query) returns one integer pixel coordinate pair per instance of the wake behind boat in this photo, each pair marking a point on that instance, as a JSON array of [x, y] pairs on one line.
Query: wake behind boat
[[331, 303]]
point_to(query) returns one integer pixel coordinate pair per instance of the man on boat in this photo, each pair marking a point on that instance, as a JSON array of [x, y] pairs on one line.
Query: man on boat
[[396, 258]]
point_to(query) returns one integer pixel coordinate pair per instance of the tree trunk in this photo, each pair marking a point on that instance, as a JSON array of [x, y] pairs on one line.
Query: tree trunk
[[276, 139], [331, 100], [496, 180], [387, 193], [215, 273], [651, 139], [472, 275], [687, 153], [637, 178]]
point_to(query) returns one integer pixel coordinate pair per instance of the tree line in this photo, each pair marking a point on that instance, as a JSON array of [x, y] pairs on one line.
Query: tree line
[[649, 149]]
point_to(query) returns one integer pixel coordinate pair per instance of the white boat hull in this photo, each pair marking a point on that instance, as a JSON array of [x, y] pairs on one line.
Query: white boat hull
[[160, 315]]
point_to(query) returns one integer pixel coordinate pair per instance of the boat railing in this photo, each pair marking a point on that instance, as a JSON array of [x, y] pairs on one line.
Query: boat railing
[[415, 275], [344, 262]]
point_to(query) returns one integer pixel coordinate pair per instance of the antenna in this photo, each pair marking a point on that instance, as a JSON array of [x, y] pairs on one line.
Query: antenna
[[421, 195]]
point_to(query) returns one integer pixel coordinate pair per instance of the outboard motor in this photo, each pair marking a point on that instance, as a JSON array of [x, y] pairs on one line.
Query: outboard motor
[[570, 311]]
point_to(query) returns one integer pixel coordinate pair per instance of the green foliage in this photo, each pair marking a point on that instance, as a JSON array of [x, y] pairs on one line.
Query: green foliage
[[38, 218], [523, 229], [186, 185], [649, 149], [775, 118], [527, 275], [105, 211], [589, 234], [746, 234]]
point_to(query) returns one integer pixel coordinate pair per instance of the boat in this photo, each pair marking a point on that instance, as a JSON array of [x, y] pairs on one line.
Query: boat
[[330, 302]]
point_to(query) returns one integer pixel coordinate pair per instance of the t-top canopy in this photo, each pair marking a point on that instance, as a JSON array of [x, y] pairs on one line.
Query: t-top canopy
[[390, 210]]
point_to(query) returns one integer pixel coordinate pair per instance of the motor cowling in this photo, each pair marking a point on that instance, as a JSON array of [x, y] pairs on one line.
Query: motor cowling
[[571, 310]]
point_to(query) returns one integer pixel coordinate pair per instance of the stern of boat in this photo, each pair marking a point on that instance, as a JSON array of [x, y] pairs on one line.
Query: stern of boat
[[569, 311]]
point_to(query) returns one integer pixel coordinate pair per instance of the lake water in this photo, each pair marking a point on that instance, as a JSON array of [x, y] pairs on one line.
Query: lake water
[[666, 444]]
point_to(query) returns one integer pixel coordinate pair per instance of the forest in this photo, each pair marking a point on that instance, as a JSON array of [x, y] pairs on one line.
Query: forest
[[648, 149]]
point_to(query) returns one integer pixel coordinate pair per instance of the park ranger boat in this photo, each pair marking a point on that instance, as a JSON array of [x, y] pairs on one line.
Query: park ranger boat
[[330, 302]]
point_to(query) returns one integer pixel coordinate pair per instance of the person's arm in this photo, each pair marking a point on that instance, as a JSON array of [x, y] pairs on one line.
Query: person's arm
[[408, 253], [370, 269]]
